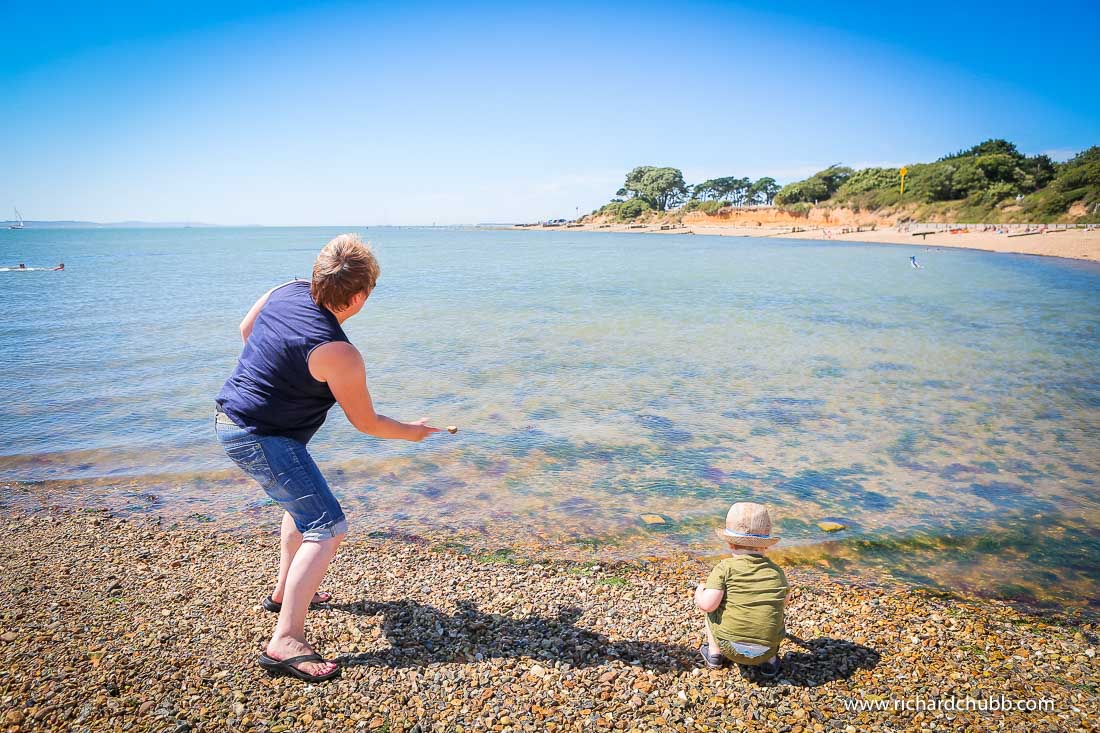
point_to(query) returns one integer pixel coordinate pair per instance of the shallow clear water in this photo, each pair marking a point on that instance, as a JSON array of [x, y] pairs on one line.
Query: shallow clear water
[[596, 377]]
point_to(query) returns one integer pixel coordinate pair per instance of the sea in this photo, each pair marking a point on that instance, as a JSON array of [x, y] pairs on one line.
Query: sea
[[614, 393]]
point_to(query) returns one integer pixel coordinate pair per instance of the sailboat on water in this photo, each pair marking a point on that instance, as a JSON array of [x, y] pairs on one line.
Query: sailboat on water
[[18, 220]]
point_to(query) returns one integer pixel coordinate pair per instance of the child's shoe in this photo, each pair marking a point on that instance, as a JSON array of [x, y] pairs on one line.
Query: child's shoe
[[767, 671], [713, 661]]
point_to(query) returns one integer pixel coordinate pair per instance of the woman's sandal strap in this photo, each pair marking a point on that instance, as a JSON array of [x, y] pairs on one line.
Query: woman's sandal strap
[[270, 604], [303, 658]]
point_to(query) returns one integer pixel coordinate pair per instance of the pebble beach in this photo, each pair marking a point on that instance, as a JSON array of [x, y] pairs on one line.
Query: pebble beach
[[113, 623]]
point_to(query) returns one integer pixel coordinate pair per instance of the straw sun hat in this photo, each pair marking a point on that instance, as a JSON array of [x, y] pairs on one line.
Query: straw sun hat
[[749, 525]]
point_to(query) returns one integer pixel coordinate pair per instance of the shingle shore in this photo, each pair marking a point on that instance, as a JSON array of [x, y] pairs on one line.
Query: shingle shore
[[110, 624]]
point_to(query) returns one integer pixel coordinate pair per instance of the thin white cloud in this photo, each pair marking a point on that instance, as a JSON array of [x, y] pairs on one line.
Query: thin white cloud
[[1060, 154]]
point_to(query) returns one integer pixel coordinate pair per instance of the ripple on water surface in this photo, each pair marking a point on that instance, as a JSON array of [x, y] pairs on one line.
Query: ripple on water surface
[[946, 416]]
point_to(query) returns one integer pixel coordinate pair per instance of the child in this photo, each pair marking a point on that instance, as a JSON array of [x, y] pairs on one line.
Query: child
[[744, 595]]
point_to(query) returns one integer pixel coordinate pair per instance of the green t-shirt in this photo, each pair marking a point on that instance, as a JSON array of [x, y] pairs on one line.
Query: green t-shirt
[[752, 608]]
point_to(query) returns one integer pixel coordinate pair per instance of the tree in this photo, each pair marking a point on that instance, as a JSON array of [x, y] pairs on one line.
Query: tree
[[1041, 169], [630, 210], [938, 184], [737, 189], [764, 190], [624, 210], [967, 179], [808, 191], [1081, 171], [661, 188], [834, 176], [818, 187], [708, 189], [997, 167], [870, 179], [989, 147]]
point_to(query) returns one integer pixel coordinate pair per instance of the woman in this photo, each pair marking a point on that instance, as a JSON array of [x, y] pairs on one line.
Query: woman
[[296, 364]]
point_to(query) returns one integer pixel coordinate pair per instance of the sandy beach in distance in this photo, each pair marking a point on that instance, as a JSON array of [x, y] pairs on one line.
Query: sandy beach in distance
[[1078, 244]]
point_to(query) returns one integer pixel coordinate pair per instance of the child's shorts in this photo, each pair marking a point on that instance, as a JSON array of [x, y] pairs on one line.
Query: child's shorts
[[743, 652]]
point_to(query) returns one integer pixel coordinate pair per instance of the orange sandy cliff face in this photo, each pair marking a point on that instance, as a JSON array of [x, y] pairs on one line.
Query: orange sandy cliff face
[[817, 216]]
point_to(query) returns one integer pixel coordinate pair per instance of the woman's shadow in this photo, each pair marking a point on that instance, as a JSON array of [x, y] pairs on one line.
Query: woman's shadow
[[419, 634]]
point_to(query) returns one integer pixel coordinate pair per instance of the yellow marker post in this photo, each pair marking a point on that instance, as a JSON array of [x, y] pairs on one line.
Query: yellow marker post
[[903, 171]]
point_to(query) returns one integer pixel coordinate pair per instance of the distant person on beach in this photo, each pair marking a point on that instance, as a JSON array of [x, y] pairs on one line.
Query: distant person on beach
[[296, 364], [744, 596]]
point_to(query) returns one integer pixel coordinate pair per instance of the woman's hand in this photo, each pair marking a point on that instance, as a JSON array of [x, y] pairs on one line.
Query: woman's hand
[[420, 430]]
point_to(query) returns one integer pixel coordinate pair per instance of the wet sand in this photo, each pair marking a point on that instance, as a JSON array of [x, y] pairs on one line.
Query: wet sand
[[1078, 244], [123, 624]]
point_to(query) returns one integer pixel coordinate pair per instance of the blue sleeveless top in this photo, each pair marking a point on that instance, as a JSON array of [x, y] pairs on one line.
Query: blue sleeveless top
[[271, 392]]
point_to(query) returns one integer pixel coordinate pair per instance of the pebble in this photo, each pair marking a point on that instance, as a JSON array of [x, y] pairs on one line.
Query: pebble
[[438, 640]]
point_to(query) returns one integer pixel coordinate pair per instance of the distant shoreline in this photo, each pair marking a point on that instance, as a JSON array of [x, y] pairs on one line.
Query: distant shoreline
[[1076, 244], [77, 224]]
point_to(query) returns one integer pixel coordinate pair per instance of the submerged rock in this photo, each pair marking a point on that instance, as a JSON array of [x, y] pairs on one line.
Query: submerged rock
[[831, 526]]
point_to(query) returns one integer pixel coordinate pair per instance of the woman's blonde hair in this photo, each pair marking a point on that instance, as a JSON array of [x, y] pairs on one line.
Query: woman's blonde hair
[[344, 267]]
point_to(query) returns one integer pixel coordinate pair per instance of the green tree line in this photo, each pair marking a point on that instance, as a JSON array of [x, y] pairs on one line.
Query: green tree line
[[652, 188], [988, 181], [981, 182]]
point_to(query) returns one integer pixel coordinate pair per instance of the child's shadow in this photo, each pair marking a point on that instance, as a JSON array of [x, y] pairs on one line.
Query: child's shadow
[[419, 635], [821, 660]]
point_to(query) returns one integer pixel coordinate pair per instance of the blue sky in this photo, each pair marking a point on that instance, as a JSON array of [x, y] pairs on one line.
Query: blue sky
[[413, 113]]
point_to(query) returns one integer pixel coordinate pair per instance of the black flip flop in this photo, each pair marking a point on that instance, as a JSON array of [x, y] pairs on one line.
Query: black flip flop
[[286, 666], [270, 605]]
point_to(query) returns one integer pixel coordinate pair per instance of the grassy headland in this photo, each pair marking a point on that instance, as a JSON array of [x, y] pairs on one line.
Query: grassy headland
[[991, 182]]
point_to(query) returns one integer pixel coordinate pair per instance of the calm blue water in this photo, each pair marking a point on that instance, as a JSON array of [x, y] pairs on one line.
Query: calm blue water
[[595, 377]]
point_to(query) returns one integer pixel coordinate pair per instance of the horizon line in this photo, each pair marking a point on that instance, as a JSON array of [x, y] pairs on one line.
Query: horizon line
[[137, 223]]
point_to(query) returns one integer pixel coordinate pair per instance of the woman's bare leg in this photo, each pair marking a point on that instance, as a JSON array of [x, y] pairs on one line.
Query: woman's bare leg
[[306, 570], [290, 539]]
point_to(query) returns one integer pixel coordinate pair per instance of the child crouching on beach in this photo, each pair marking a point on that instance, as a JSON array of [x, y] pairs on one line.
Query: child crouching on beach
[[744, 595]]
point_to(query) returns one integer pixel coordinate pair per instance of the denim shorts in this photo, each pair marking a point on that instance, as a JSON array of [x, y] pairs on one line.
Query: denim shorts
[[286, 471]]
